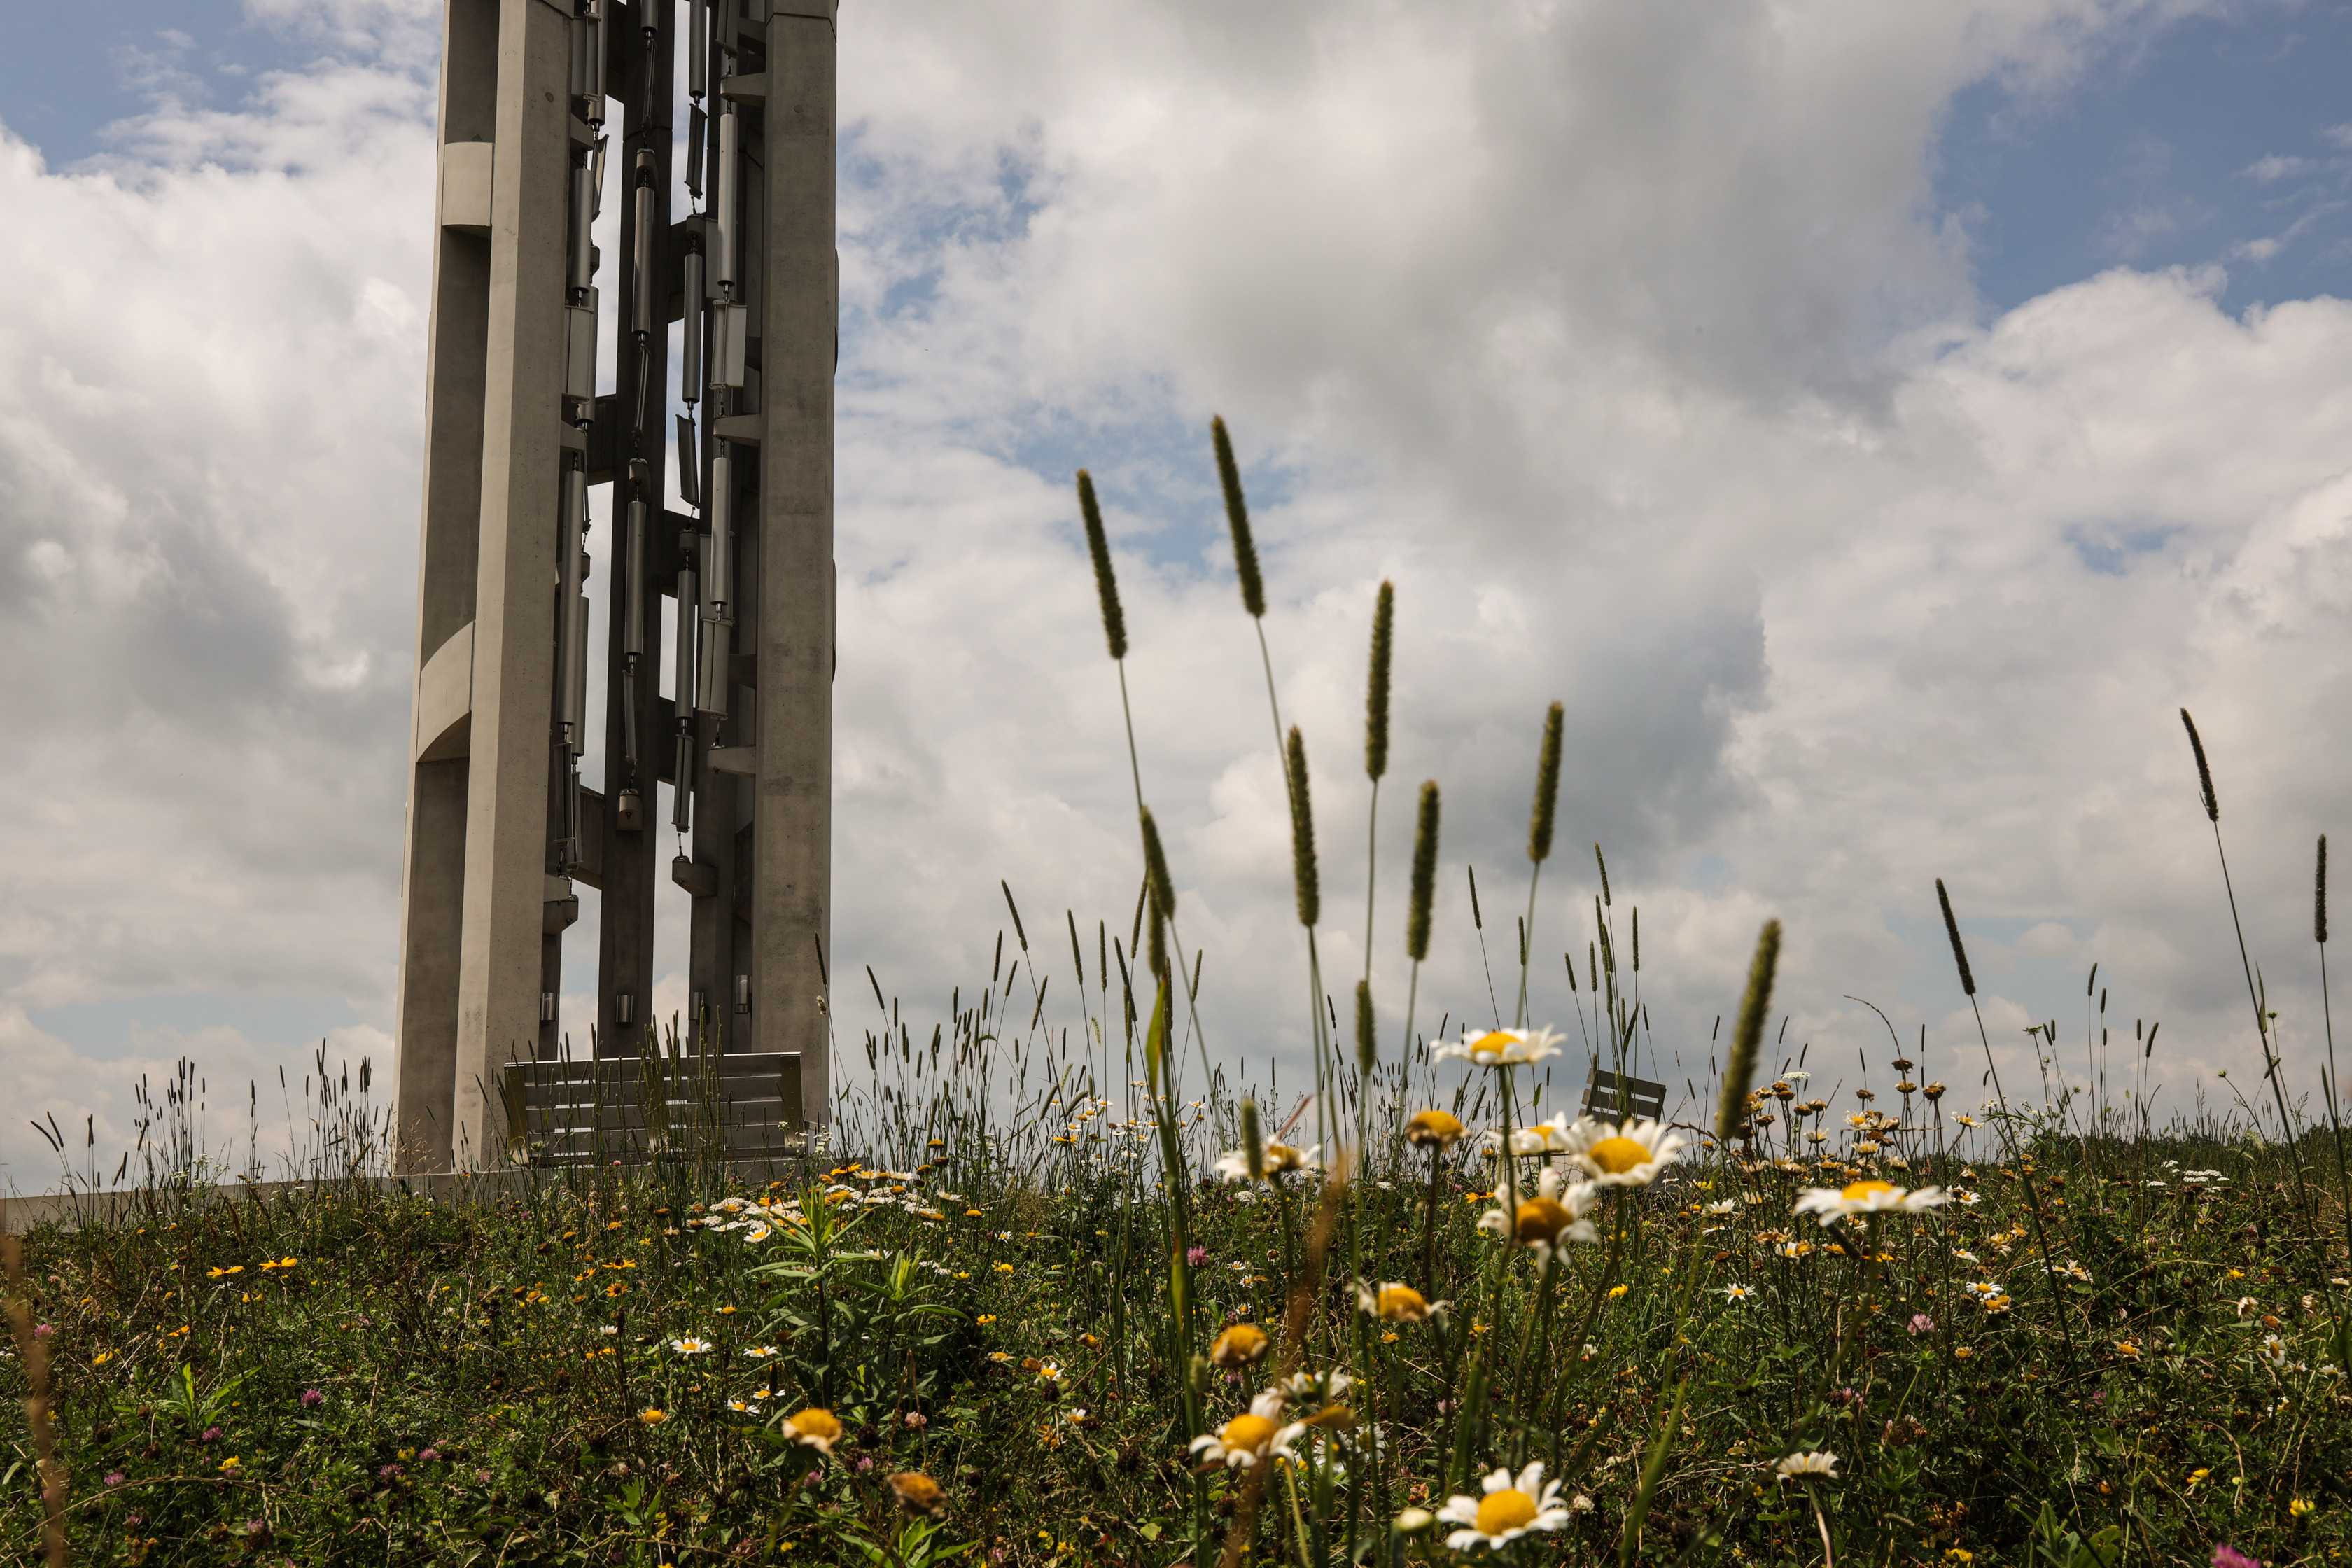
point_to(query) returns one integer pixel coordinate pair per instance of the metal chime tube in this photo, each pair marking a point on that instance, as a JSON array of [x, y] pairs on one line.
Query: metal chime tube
[[572, 652], [690, 380], [682, 798], [599, 33], [581, 49], [717, 579], [717, 583], [642, 252], [572, 562], [723, 212], [583, 217], [698, 49], [632, 632], [641, 305]]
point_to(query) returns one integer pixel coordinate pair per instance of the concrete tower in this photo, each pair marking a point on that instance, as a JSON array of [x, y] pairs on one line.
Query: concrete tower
[[725, 269]]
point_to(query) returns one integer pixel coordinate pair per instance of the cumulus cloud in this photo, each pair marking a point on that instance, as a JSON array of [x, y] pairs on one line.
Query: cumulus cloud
[[1630, 343]]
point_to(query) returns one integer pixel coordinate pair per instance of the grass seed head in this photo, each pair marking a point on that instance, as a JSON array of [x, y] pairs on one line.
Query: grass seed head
[[1106, 580], [2319, 895], [1376, 697], [1229, 475], [1952, 929], [1547, 804], [2204, 769], [1155, 865], [1748, 1035], [1425, 874], [1302, 835]]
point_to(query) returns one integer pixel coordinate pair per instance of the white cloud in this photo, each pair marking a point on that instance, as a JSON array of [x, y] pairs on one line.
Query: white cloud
[[2277, 166], [1629, 342]]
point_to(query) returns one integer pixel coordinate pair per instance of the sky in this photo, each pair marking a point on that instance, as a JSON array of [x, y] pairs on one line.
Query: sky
[[1872, 423]]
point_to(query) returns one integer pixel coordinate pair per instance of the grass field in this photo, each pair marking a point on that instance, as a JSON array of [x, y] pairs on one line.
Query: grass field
[[604, 1371]]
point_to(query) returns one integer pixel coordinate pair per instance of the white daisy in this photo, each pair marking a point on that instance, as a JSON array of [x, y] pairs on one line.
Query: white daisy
[[1510, 1508], [1814, 1462], [1244, 1440], [1628, 1154], [1874, 1196], [1542, 1137], [1501, 1047], [1554, 1215], [1739, 1292], [690, 1345], [1280, 1159]]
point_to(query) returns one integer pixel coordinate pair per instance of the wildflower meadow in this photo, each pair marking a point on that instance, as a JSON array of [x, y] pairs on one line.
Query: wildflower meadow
[[1069, 1288]]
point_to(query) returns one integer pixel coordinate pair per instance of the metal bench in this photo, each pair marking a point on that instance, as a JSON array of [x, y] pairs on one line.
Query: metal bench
[[745, 1106], [1616, 1096]]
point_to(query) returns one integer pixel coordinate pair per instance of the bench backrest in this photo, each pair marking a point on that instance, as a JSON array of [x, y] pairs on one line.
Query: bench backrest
[[628, 1108], [1615, 1096]]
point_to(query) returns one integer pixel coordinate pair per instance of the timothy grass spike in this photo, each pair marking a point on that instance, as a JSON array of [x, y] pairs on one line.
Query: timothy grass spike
[[2204, 769], [1009, 904], [2319, 895], [1376, 698], [1747, 1036], [1425, 874], [1952, 929], [1547, 805], [1106, 580], [1229, 475], [1367, 1055], [1302, 835], [1155, 865]]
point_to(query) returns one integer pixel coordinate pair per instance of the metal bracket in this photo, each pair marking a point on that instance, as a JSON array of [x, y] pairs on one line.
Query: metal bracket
[[743, 761]]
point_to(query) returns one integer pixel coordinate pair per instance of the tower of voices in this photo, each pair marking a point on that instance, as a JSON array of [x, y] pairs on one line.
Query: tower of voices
[[571, 394]]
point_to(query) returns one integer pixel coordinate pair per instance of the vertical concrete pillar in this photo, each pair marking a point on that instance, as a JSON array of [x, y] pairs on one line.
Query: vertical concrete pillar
[[793, 849], [506, 857], [433, 867]]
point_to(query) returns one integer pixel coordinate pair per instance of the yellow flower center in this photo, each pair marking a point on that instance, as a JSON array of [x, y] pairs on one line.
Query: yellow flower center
[[1432, 1127], [1239, 1345], [1246, 1434], [1617, 1155], [1542, 1219], [1862, 1191], [1402, 1301], [1509, 1509], [1494, 1043], [815, 1423]]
